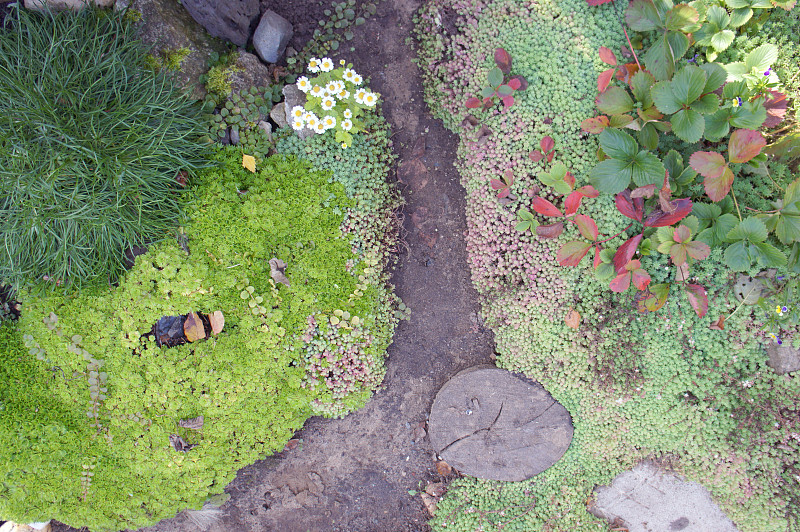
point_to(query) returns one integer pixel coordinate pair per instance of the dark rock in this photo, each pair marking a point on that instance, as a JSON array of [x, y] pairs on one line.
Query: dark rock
[[279, 114], [271, 37], [225, 140], [168, 27], [487, 423], [234, 137], [248, 71], [230, 20]]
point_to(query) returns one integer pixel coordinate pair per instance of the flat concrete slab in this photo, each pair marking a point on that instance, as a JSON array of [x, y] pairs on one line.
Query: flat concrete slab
[[647, 499], [489, 424]]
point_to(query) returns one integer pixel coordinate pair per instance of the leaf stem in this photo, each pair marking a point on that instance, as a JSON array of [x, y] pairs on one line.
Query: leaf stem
[[733, 195], [615, 236]]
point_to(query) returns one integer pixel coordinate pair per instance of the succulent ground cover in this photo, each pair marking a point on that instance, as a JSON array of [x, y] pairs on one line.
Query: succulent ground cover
[[687, 385]]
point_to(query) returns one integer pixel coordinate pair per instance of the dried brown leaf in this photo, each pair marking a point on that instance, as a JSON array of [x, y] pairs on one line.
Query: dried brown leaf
[[193, 327], [718, 325], [573, 319], [278, 271], [217, 321], [179, 444], [429, 502], [419, 147], [435, 489], [443, 468], [195, 423]]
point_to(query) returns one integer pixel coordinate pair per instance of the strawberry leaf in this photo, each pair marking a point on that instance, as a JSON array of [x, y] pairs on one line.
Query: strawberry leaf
[[653, 299], [572, 203], [536, 156], [597, 258], [603, 79], [587, 227], [544, 207], [508, 101], [625, 252], [659, 218], [473, 103], [550, 230], [607, 56], [503, 60], [745, 144], [588, 191], [707, 163], [572, 252], [547, 143], [640, 278], [718, 187], [497, 184], [621, 282], [595, 125], [633, 208], [698, 298]]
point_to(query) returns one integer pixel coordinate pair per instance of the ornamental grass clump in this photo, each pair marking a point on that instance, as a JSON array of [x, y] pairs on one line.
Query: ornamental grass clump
[[94, 147], [335, 100]]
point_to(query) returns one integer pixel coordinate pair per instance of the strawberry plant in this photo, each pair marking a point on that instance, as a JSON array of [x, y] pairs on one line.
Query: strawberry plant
[[500, 84]]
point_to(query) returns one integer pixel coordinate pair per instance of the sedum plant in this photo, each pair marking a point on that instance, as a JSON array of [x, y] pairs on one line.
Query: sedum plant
[[91, 143]]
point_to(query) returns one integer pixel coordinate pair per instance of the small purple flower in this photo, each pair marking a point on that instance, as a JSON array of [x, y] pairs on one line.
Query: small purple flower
[[693, 59], [781, 277], [768, 72]]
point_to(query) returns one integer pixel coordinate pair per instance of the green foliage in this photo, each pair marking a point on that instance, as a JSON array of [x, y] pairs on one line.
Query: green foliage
[[91, 355], [245, 114], [218, 77], [88, 155], [170, 60]]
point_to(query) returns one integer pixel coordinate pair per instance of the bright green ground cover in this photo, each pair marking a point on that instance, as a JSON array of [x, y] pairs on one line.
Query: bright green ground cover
[[638, 386]]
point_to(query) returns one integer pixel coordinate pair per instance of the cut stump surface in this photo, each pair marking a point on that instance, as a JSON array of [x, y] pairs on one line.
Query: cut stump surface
[[489, 424]]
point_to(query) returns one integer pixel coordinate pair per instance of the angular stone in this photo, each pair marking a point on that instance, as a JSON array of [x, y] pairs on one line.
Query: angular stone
[[490, 424], [293, 96], [230, 20], [168, 27], [248, 72], [647, 499], [271, 36], [783, 358], [278, 114], [266, 127]]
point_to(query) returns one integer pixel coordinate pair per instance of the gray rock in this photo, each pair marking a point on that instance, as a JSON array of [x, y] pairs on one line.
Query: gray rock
[[487, 423], [293, 96], [647, 499], [279, 114], [168, 27], [60, 5], [234, 137], [248, 72], [230, 20], [226, 139], [783, 358], [271, 36], [266, 127]]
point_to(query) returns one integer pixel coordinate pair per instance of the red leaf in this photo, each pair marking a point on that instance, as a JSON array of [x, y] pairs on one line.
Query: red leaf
[[633, 208], [550, 156], [569, 179], [572, 252], [597, 260], [503, 60], [625, 253], [698, 250], [586, 226], [588, 191], [551, 230], [523, 83], [697, 298], [508, 101], [646, 191], [504, 193], [607, 56], [595, 125], [536, 156], [514, 83], [604, 79], [653, 298], [718, 187], [775, 105], [625, 72], [621, 282], [547, 144], [542, 206], [681, 234], [707, 163], [745, 144], [659, 218], [572, 203], [473, 103], [640, 278], [597, 2], [497, 184]]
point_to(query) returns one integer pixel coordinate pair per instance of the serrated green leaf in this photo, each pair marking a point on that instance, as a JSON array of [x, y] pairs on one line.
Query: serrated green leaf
[[688, 125], [495, 77], [749, 116], [611, 176], [787, 228], [605, 271], [614, 101], [717, 125], [750, 229], [715, 76], [740, 16], [736, 257], [641, 83], [768, 255], [648, 137], [707, 104], [664, 99], [761, 58], [722, 39], [680, 17], [617, 144], [688, 84], [647, 169], [718, 16], [641, 15]]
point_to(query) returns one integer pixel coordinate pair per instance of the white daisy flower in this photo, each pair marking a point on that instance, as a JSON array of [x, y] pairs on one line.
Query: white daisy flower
[[298, 124], [348, 113], [311, 120], [341, 62], [348, 74], [339, 85], [317, 91], [360, 94], [347, 124], [370, 99], [343, 95], [319, 129], [325, 64], [328, 103], [298, 112], [303, 84], [356, 79], [329, 121], [331, 88], [344, 145], [313, 65]]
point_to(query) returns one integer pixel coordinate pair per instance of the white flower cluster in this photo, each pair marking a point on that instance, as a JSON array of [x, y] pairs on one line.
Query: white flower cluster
[[302, 118]]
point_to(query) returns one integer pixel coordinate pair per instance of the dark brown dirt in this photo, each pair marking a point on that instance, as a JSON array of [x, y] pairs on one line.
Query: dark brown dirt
[[354, 474]]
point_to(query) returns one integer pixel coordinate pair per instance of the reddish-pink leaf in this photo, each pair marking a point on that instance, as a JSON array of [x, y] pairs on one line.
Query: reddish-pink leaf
[[745, 144], [497, 184], [625, 72], [718, 187], [572, 203], [508, 101], [550, 156], [504, 193], [597, 260], [707, 163], [542, 206], [681, 234], [653, 298], [523, 83], [681, 209], [503, 60], [697, 298], [547, 143], [640, 278], [586, 226], [595, 125], [625, 253], [588, 191], [646, 191], [603, 79], [698, 250], [632, 265], [572, 252], [550, 230], [607, 56], [514, 83], [621, 282], [569, 179], [775, 105], [473, 103], [633, 208], [593, 3], [536, 156], [678, 254], [508, 175]]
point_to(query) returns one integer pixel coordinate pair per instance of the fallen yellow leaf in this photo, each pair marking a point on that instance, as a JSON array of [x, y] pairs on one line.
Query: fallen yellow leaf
[[573, 319], [249, 162]]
